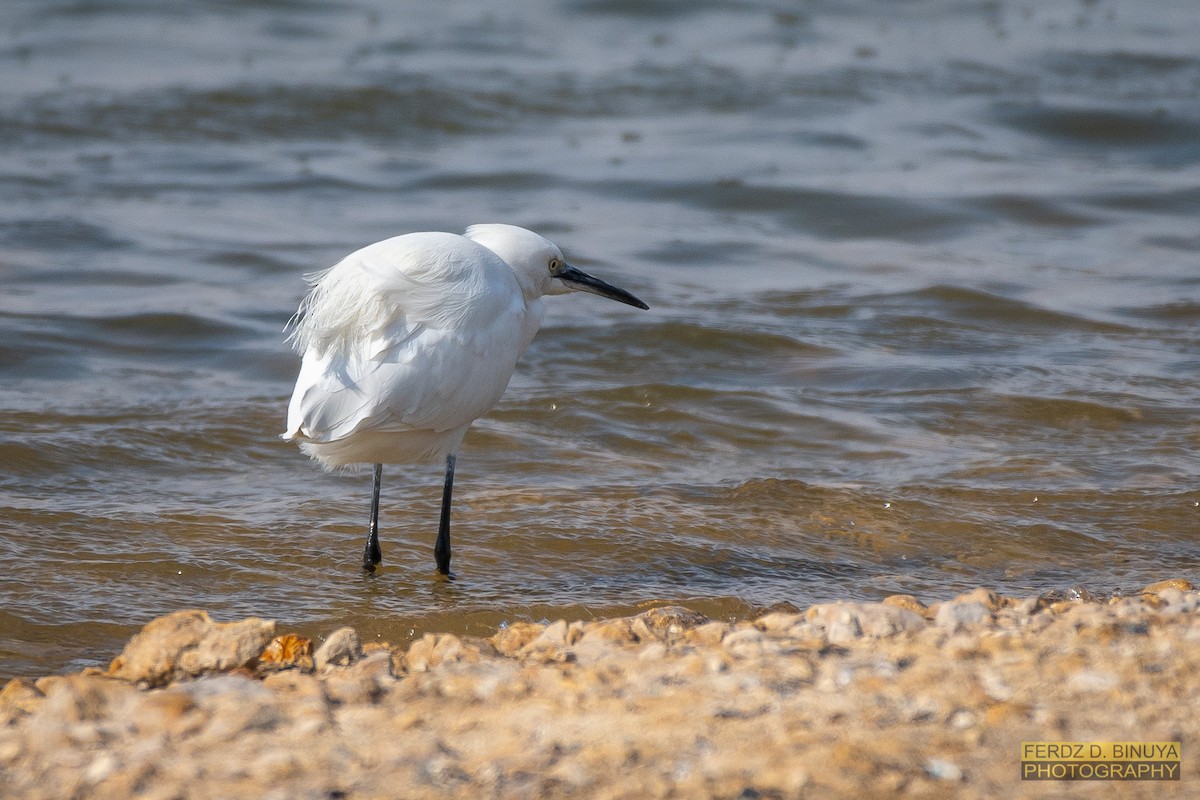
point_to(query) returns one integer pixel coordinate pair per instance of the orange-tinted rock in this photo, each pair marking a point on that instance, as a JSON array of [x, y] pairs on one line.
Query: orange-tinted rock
[[287, 651]]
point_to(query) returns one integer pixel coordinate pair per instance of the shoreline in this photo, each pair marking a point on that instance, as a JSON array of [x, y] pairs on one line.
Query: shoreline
[[892, 699]]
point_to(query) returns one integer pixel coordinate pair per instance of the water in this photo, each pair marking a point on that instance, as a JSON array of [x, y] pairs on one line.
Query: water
[[924, 277]]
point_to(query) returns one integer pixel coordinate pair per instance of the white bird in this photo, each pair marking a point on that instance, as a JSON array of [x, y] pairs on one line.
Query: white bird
[[408, 341]]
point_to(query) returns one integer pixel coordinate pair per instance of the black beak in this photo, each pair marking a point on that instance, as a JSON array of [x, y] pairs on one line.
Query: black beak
[[580, 281]]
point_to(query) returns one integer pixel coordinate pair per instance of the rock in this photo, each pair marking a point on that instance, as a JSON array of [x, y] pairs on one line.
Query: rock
[[1029, 606], [843, 627], [341, 648], [364, 682], [551, 644], [1080, 592], [1188, 603], [434, 649], [709, 634], [1092, 680], [845, 622], [943, 770], [233, 706], [618, 631], [992, 681], [509, 640], [1181, 584], [654, 651], [907, 602], [752, 709], [777, 622], [18, 697], [1170, 597], [165, 711], [745, 642], [286, 652], [641, 630], [305, 697], [669, 622], [956, 615], [985, 597], [81, 699], [187, 644]]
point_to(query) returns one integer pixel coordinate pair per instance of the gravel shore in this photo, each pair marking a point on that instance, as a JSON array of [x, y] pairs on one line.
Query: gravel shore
[[891, 699]]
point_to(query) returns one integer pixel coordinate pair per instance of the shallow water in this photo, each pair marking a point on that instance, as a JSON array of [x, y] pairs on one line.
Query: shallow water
[[924, 287]]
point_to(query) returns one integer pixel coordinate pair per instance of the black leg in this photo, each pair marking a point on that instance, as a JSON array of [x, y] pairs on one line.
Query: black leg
[[441, 548], [372, 555]]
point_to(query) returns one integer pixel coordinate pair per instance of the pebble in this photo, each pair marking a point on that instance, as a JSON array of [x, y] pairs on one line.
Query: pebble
[[745, 642], [845, 622], [19, 696], [709, 634], [907, 602], [871, 699], [364, 682], [613, 630], [943, 770], [341, 648], [959, 614], [509, 640], [434, 649], [1181, 584], [286, 652]]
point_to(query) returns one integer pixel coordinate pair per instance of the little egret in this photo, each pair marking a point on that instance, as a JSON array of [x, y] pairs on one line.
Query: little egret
[[408, 341]]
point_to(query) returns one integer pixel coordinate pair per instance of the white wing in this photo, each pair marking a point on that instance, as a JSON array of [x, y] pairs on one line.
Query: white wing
[[420, 332]]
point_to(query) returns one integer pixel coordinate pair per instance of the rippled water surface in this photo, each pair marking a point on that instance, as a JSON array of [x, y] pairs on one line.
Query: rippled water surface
[[924, 283]]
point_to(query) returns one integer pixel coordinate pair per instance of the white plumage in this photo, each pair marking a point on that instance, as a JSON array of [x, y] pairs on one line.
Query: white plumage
[[408, 341]]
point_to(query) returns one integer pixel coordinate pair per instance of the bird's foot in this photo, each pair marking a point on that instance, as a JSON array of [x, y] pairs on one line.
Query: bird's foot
[[372, 557]]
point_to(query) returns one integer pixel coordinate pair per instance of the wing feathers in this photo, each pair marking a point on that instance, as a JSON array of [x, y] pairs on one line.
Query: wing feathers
[[421, 332]]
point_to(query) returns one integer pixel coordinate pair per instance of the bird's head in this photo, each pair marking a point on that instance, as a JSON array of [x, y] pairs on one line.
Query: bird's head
[[539, 264]]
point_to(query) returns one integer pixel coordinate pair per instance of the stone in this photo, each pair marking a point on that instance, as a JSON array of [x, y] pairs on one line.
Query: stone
[[434, 649], [1182, 584], [1170, 596], [641, 630], [289, 651], [943, 770], [79, 698], [669, 622], [187, 644], [364, 682], [619, 631], [955, 615], [778, 622], [305, 697], [18, 697], [510, 639], [906, 602], [844, 628], [744, 642], [419, 657], [163, 710], [845, 622], [763, 708], [233, 706], [709, 634], [985, 597], [341, 648], [550, 644]]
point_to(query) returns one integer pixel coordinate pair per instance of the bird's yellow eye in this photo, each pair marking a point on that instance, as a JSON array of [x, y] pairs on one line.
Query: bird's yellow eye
[[555, 265]]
